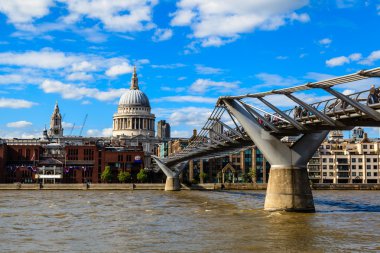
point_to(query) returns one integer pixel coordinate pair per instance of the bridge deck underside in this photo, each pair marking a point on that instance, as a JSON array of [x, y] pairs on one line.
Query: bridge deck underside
[[211, 152]]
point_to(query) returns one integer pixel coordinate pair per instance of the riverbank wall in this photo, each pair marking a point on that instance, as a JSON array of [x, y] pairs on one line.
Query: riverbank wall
[[198, 187]]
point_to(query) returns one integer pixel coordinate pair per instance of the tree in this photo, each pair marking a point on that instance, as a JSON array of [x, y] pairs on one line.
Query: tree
[[202, 177], [106, 175], [124, 176], [142, 176], [252, 175]]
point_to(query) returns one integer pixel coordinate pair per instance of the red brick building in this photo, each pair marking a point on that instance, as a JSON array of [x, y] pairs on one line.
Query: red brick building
[[26, 160]]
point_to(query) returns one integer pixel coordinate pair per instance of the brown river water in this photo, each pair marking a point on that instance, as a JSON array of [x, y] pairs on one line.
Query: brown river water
[[186, 221]]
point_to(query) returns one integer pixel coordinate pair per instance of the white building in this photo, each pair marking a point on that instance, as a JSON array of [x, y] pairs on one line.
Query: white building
[[346, 161], [133, 116]]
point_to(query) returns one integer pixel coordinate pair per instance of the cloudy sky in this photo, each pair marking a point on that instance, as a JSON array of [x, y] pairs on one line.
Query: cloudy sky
[[188, 52]]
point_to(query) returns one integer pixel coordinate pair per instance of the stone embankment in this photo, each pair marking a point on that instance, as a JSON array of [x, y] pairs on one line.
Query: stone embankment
[[199, 187]]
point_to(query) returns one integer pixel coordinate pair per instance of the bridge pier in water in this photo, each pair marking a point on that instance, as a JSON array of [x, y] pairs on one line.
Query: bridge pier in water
[[288, 186], [172, 177]]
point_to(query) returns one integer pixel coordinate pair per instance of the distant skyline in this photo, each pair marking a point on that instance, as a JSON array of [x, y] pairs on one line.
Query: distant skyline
[[188, 53]]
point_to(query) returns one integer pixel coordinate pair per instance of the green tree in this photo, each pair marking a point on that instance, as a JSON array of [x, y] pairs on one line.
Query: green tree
[[142, 176], [124, 176], [202, 177], [252, 175], [106, 175]]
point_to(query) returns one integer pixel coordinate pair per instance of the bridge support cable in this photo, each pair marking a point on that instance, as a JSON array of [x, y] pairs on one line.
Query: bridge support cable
[[288, 186], [365, 109], [314, 111], [293, 122], [172, 177], [259, 116]]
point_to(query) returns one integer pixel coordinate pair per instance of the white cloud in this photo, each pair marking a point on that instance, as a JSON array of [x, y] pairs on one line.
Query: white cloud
[[318, 76], [83, 66], [191, 116], [82, 76], [72, 91], [271, 80], [180, 134], [345, 3], [19, 124], [337, 61], [20, 78], [120, 16], [15, 103], [169, 66], [280, 57], [183, 99], [119, 69], [204, 70], [21, 11], [356, 57], [45, 59], [203, 85], [374, 56], [216, 22], [106, 132], [162, 34], [325, 42]]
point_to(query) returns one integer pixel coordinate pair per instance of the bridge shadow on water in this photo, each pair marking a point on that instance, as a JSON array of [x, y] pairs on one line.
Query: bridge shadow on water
[[345, 207], [321, 204], [260, 196]]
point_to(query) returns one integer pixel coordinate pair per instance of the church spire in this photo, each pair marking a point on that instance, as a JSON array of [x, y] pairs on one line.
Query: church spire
[[134, 80]]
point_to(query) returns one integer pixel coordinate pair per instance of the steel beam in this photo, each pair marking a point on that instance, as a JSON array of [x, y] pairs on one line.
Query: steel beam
[[311, 109], [293, 122], [367, 110]]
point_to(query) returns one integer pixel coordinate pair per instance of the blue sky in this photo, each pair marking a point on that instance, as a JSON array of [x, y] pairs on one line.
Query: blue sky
[[188, 52]]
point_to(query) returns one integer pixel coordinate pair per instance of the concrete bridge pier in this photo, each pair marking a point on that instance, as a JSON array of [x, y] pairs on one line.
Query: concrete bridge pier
[[172, 177], [288, 186]]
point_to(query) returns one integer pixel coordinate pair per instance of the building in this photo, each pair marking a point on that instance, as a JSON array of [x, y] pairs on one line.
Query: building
[[352, 160], [56, 130], [163, 130], [133, 116]]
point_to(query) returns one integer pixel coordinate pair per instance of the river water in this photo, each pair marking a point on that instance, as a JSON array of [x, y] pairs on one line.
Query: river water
[[186, 221]]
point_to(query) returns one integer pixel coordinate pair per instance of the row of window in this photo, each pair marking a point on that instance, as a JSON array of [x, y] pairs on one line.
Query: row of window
[[344, 160], [353, 167], [354, 174], [340, 147]]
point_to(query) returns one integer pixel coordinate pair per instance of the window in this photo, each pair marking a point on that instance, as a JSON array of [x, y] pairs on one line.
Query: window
[[360, 160], [324, 167], [368, 174], [327, 146], [331, 160], [331, 174], [72, 154], [360, 174], [364, 146], [371, 146], [88, 154], [331, 167], [120, 158], [353, 167], [354, 174], [368, 160], [375, 174], [374, 160], [374, 167], [353, 160], [325, 174], [324, 160], [360, 167], [368, 167]]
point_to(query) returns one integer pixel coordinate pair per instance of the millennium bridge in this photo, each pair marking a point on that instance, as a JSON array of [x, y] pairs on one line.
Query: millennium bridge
[[238, 122]]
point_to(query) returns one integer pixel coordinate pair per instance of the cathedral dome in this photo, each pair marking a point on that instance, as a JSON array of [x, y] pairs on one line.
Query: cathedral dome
[[134, 98]]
